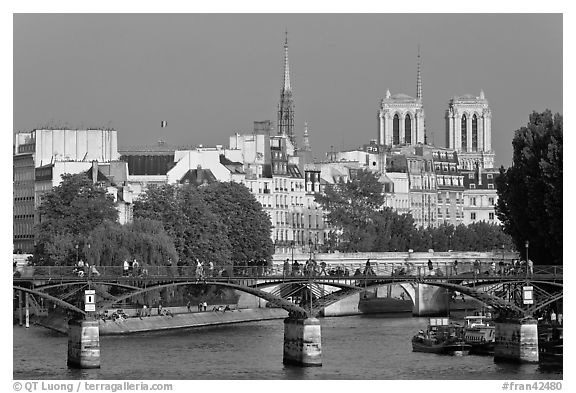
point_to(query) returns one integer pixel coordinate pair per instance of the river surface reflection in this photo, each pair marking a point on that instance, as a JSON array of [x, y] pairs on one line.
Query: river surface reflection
[[356, 347]]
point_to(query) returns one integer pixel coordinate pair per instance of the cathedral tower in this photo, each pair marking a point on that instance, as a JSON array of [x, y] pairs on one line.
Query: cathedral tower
[[286, 105], [469, 130], [401, 117]]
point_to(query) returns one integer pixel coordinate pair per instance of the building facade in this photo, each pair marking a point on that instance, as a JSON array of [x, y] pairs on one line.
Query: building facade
[[450, 186], [480, 196], [40, 157]]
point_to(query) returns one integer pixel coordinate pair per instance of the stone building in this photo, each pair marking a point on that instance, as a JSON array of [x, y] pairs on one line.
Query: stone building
[[40, 158], [480, 195]]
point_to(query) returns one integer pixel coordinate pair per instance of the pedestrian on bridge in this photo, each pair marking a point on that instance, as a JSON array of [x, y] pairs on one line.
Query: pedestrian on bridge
[[323, 268], [286, 267], [135, 267], [455, 265], [530, 267], [125, 268], [199, 270], [477, 267]]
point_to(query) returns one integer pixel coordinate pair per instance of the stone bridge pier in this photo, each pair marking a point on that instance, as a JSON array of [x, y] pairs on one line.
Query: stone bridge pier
[[516, 340], [302, 341], [83, 343]]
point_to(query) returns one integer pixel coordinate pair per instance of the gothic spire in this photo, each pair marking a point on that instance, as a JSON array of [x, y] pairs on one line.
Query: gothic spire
[[286, 105], [286, 65], [419, 78]]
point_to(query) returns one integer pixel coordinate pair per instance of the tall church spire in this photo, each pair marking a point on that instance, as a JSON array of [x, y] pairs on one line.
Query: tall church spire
[[286, 65], [286, 105], [419, 78]]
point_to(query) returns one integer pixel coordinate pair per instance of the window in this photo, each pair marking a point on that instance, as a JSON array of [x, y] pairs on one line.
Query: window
[[490, 216], [407, 129], [472, 186], [396, 130], [471, 176], [489, 176], [474, 133], [491, 201], [463, 134], [472, 216], [473, 201], [490, 186]]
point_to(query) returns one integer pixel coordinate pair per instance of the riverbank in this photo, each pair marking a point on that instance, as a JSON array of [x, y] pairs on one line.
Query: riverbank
[[169, 322]]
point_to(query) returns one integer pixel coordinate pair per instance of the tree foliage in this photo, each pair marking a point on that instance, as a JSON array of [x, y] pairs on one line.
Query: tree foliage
[[530, 191], [67, 215], [349, 207], [145, 240], [248, 226], [355, 209], [188, 219]]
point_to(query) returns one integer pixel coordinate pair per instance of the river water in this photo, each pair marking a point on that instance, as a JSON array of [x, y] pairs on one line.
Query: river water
[[357, 347]]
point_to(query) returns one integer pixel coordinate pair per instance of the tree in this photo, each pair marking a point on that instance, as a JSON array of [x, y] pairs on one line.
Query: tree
[[196, 230], [530, 191], [145, 240], [67, 215], [248, 226], [350, 206]]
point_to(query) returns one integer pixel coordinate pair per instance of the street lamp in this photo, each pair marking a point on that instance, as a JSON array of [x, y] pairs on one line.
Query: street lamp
[[292, 246], [76, 254], [527, 244]]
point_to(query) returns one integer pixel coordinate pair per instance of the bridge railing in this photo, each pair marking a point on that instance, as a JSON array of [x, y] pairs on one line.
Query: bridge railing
[[379, 269]]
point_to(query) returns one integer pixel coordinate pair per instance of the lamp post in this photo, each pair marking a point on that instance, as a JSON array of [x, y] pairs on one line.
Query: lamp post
[[292, 246], [527, 244], [76, 254]]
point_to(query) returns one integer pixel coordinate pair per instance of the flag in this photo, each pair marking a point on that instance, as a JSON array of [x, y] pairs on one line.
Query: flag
[[163, 124]]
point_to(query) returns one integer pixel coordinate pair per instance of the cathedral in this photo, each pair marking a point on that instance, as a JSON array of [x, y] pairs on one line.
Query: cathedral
[[401, 121]]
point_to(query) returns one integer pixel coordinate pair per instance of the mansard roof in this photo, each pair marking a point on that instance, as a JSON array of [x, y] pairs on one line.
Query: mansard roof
[[198, 176]]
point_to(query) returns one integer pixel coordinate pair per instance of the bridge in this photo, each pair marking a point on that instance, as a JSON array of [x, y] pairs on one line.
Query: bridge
[[501, 289]]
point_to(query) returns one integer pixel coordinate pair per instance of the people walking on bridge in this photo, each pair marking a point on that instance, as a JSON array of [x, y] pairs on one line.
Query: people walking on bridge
[[323, 268], [205, 305], [455, 267], [476, 267], [368, 271], [493, 268], [125, 267], [296, 268], [501, 267], [430, 268], [199, 270], [135, 267], [93, 271], [286, 269], [530, 267], [210, 269]]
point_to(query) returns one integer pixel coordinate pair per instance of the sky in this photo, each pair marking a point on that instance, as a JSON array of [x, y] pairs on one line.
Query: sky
[[212, 75]]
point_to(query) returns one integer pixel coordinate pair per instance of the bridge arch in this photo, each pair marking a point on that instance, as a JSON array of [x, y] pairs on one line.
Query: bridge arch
[[293, 309], [44, 295]]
